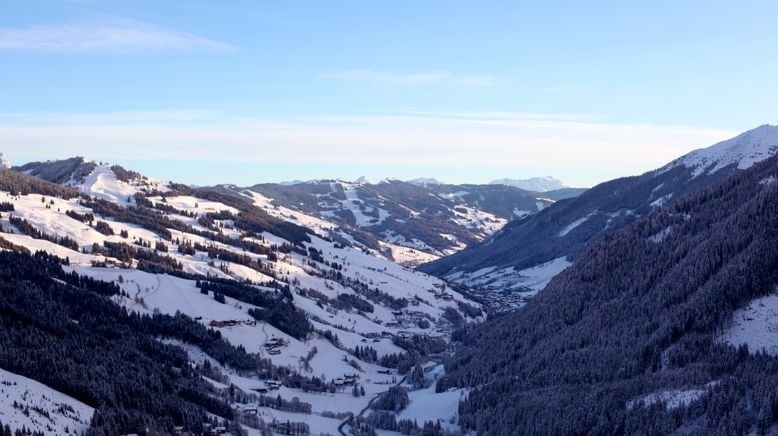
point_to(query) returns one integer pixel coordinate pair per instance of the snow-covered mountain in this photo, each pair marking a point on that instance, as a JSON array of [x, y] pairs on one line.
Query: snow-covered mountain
[[525, 254], [408, 222], [536, 184], [5, 162], [742, 151], [423, 181], [337, 324], [106, 181]]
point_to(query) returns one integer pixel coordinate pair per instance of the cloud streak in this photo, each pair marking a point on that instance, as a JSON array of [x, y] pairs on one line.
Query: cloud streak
[[377, 77], [475, 140], [103, 38]]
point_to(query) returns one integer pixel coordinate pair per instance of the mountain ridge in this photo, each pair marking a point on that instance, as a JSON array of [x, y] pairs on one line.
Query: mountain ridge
[[634, 335], [569, 227], [536, 184]]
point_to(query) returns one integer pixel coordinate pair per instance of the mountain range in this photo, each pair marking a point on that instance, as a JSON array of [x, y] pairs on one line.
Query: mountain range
[[131, 305], [537, 184], [402, 221], [527, 252]]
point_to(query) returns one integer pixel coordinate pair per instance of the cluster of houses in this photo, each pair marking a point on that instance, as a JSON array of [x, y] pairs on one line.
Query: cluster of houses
[[270, 385], [504, 301], [274, 345], [229, 323], [347, 380]]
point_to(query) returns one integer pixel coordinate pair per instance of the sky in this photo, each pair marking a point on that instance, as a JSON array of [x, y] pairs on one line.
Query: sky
[[242, 92]]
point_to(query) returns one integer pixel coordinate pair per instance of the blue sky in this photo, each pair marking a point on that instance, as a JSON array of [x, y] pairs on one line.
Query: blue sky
[[249, 91]]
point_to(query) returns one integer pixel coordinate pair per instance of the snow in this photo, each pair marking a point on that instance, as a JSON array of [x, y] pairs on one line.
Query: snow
[[391, 237], [755, 325], [537, 184], [659, 202], [673, 398], [521, 213], [194, 205], [64, 411], [76, 257], [573, 225], [767, 180], [426, 405], [743, 151], [425, 181], [537, 277], [353, 204], [661, 235], [408, 256], [102, 183], [529, 280], [149, 293], [476, 219], [51, 218], [5, 163], [322, 227], [318, 424]]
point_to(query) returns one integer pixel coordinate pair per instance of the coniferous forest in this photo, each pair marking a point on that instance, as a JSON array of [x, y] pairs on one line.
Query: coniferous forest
[[640, 313], [64, 331]]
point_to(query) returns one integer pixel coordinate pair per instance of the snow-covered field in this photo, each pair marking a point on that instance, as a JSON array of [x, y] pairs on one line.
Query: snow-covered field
[[26, 403], [102, 183], [756, 325]]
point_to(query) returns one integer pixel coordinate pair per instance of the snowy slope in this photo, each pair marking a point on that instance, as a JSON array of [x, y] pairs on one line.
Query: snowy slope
[[26, 403], [743, 151], [508, 288], [103, 183], [756, 326], [5, 162]]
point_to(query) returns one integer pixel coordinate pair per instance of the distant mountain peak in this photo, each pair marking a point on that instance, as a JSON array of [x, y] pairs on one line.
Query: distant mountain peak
[[424, 181], [743, 150], [537, 184], [5, 163]]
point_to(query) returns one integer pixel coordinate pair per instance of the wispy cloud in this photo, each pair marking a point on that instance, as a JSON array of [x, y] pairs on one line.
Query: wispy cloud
[[514, 141], [378, 77], [563, 87], [103, 38]]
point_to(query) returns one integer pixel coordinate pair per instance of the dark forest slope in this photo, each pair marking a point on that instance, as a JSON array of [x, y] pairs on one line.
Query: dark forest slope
[[64, 331], [639, 313]]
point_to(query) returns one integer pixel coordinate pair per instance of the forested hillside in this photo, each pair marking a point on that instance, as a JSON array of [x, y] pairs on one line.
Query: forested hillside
[[627, 341], [64, 331]]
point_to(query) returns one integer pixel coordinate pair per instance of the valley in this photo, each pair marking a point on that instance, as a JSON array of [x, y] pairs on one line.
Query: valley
[[344, 323]]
